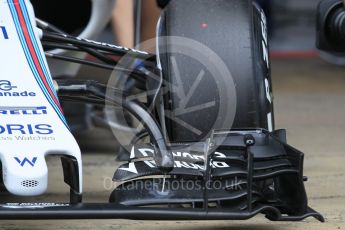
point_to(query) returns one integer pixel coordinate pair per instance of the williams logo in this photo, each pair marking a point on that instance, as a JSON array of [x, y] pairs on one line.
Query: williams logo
[[26, 160], [41, 110], [7, 89]]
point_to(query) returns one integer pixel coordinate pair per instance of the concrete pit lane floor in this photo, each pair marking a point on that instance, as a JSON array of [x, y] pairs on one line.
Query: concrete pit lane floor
[[309, 103]]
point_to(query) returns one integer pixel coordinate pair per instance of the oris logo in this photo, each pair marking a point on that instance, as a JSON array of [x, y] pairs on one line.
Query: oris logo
[[29, 129]]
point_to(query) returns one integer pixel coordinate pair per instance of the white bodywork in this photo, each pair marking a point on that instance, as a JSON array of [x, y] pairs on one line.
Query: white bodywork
[[32, 124]]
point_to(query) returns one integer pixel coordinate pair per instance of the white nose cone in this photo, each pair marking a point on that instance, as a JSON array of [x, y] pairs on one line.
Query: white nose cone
[[25, 175], [32, 124]]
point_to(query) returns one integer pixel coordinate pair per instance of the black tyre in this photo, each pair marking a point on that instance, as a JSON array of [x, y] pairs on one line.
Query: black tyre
[[236, 31]]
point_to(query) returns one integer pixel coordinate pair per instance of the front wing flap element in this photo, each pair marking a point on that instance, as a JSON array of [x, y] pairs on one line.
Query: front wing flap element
[[233, 175]]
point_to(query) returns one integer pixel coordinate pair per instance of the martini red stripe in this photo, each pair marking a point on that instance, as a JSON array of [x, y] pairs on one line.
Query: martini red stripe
[[32, 51]]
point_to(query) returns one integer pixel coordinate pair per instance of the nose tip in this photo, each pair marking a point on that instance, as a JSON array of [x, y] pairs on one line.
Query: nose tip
[[25, 176]]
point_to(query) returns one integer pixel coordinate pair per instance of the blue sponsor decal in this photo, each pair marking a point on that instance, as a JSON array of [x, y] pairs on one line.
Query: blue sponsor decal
[[7, 90], [6, 85], [29, 129], [26, 160], [41, 110], [4, 32]]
